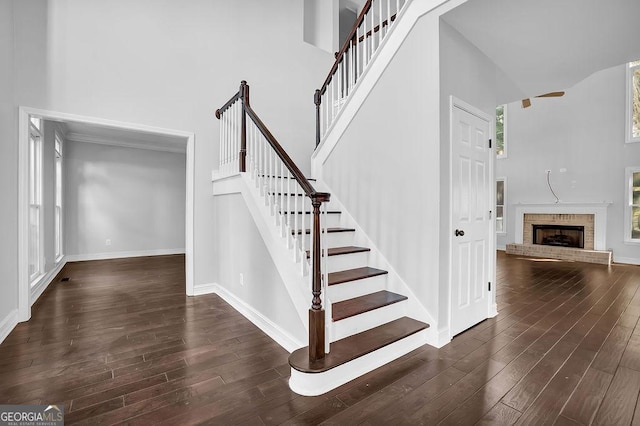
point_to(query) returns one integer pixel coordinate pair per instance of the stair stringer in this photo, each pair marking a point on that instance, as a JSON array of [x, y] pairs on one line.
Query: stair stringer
[[413, 308], [296, 282], [398, 32]]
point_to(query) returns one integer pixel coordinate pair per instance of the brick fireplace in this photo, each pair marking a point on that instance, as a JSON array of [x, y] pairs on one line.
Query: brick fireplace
[[589, 218]]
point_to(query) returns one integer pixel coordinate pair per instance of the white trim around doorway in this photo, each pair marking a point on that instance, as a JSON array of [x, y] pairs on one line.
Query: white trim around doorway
[[24, 294]]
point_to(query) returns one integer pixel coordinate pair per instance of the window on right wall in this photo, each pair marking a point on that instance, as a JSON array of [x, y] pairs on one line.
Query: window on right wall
[[633, 102], [632, 205], [501, 131], [501, 184]]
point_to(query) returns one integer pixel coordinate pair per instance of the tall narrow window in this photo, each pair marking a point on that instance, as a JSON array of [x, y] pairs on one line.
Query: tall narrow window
[[36, 252], [58, 197], [633, 102], [632, 207], [500, 210], [501, 131]]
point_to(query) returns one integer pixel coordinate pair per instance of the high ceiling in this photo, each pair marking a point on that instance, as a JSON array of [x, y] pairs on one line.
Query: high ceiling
[[115, 136], [549, 45]]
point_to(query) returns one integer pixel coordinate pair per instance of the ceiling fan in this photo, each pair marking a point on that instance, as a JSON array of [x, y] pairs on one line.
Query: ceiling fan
[[526, 103]]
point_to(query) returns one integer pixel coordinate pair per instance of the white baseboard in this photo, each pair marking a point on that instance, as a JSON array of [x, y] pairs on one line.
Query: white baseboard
[[442, 337], [37, 290], [122, 254], [282, 337], [7, 324], [627, 260], [201, 289]]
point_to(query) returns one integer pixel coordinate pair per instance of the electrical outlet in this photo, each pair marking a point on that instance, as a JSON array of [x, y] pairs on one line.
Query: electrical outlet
[[241, 279], [107, 242]]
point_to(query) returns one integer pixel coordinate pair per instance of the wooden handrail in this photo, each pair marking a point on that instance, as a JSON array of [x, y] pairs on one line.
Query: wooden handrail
[[226, 106], [345, 46], [352, 59], [316, 312], [340, 54]]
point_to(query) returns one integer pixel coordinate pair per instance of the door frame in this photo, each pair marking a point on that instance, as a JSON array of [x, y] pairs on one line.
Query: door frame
[[24, 290], [492, 310]]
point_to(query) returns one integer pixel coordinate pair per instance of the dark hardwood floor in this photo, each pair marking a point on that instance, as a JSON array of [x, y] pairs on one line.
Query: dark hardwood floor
[[120, 343]]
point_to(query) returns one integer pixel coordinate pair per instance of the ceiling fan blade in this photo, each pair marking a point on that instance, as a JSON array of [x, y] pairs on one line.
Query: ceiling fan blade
[[551, 95], [526, 103]]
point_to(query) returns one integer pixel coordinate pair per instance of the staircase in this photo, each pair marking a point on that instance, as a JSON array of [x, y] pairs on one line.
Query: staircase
[[362, 314], [365, 315]]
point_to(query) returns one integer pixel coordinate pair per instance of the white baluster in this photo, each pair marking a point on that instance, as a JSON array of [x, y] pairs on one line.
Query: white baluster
[[380, 20], [303, 234], [373, 35], [283, 199], [340, 88], [287, 227], [324, 253], [295, 223], [221, 155]]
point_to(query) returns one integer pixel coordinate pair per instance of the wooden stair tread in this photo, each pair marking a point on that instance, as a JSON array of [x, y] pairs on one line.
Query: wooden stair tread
[[353, 274], [336, 251], [352, 347], [329, 230], [284, 177], [368, 302], [310, 212], [287, 194]]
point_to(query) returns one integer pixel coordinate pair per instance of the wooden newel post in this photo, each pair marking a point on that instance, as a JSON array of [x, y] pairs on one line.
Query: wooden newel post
[[317, 100], [316, 313], [244, 98]]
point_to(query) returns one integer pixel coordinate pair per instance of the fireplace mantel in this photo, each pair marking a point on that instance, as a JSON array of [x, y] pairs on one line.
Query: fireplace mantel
[[599, 210]]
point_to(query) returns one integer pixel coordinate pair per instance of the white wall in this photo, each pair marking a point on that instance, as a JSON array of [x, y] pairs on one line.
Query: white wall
[[170, 64], [159, 63], [244, 252], [133, 197], [8, 167], [582, 132], [467, 74], [321, 24], [385, 168]]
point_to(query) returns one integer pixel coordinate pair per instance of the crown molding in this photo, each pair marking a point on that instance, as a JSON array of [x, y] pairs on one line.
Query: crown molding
[[82, 137]]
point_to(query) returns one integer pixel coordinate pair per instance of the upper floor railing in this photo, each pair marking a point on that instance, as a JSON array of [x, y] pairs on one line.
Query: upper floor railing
[[247, 145], [366, 36]]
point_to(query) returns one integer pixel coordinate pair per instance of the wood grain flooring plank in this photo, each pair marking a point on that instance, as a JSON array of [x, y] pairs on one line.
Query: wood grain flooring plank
[[113, 348], [588, 395], [619, 402]]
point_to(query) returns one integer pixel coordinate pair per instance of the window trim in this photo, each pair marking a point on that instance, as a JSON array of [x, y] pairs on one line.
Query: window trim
[[629, 105], [504, 132], [58, 158], [504, 205], [629, 171], [35, 195]]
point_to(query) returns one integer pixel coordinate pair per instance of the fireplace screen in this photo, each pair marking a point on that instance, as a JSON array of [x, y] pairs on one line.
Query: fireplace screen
[[559, 235]]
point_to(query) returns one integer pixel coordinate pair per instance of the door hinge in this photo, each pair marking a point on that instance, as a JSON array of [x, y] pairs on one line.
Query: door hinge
[[489, 143], [490, 213], [489, 285]]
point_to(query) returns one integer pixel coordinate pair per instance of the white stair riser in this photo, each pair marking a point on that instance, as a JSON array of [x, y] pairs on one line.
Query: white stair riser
[[312, 384], [365, 321], [329, 220], [343, 262], [334, 239], [351, 289]]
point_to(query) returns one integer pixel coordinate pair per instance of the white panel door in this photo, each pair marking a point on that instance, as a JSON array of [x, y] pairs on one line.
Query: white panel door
[[471, 231]]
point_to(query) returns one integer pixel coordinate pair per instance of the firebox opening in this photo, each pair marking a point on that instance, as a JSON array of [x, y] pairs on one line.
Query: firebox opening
[[559, 235]]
